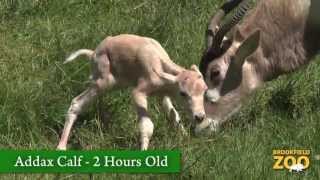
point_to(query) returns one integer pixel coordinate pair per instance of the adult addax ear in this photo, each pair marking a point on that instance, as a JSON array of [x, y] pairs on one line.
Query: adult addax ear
[[238, 37], [248, 47], [234, 73]]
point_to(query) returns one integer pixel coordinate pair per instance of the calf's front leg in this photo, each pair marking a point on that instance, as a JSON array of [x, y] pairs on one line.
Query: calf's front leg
[[145, 124], [173, 114]]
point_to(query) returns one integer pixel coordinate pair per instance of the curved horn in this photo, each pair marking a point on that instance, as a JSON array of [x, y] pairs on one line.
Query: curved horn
[[215, 35], [216, 19], [212, 27], [225, 28]]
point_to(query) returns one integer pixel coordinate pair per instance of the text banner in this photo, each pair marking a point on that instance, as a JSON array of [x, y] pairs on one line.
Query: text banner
[[34, 161]]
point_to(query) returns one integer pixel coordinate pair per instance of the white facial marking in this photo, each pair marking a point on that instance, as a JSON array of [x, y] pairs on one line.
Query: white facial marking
[[210, 125], [213, 95], [225, 39]]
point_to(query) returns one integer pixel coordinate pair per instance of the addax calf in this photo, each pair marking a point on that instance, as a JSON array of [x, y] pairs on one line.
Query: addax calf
[[141, 62]]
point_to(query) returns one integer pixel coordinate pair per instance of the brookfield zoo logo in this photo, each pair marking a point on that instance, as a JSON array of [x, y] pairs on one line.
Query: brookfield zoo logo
[[292, 160]]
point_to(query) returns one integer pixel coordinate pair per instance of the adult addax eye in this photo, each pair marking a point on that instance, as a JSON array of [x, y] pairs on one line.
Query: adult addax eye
[[183, 94]]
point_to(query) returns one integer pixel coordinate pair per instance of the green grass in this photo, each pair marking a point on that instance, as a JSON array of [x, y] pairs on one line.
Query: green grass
[[36, 90]]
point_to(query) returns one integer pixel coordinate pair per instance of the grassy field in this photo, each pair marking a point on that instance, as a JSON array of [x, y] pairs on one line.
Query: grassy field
[[36, 90]]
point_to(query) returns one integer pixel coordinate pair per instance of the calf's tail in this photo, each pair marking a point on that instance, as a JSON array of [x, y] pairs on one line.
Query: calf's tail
[[89, 53]]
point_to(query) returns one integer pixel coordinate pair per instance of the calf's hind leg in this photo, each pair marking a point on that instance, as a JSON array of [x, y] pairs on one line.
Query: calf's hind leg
[[76, 107], [105, 81]]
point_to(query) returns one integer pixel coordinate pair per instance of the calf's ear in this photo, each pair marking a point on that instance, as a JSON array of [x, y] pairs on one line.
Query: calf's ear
[[248, 47], [169, 78], [195, 68]]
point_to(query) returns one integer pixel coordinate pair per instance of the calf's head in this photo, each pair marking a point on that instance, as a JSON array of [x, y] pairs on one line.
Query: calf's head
[[191, 87], [224, 74]]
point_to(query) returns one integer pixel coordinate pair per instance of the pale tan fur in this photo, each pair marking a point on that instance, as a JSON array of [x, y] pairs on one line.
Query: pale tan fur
[[140, 62]]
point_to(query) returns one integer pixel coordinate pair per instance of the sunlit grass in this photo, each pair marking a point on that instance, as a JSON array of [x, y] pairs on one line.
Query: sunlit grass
[[36, 90]]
